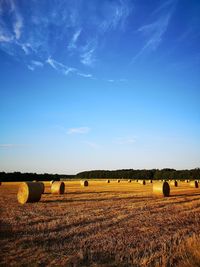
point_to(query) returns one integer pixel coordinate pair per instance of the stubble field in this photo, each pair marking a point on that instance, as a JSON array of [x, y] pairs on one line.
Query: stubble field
[[116, 224]]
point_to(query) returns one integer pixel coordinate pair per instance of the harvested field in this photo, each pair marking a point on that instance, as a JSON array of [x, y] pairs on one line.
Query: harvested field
[[101, 225]]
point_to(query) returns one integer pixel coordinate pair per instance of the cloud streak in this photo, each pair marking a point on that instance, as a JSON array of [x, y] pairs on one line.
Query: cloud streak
[[154, 32], [79, 130]]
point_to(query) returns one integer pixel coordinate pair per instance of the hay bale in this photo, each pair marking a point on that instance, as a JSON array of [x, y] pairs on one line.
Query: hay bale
[[84, 183], [118, 181], [51, 182], [143, 182], [42, 187], [129, 181], [174, 183], [58, 188], [29, 192], [194, 184], [161, 189], [108, 181]]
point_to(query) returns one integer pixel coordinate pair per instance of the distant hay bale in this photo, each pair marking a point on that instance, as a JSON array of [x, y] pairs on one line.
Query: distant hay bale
[[118, 181], [29, 192], [142, 182], [108, 181], [194, 184], [84, 183], [175, 183], [129, 181], [150, 181], [161, 189], [58, 188], [51, 182]]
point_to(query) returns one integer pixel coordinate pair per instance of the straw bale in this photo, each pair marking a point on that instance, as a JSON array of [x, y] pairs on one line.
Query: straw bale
[[161, 189], [194, 184], [58, 188], [29, 192], [84, 183]]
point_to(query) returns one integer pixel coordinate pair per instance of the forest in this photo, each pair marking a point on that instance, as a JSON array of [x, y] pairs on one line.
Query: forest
[[153, 174]]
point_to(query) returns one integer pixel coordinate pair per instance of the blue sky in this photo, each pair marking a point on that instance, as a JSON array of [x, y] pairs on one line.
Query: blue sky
[[95, 84]]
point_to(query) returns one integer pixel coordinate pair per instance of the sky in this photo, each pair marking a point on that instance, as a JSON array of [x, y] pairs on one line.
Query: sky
[[89, 84]]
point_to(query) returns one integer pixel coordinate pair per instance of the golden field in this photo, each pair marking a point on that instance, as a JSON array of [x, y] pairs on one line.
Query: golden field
[[104, 224]]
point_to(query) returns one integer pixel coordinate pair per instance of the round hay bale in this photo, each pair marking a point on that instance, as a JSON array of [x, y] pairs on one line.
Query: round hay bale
[[42, 187], [84, 183], [175, 183], [29, 192], [118, 181], [129, 181], [161, 189], [51, 182], [108, 181], [143, 182], [58, 188], [194, 184]]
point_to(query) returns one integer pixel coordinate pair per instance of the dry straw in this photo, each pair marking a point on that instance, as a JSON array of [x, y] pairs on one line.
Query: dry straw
[[58, 188], [84, 183], [161, 189], [29, 192], [194, 184]]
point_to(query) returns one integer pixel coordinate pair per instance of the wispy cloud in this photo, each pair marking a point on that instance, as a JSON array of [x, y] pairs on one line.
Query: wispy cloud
[[35, 64], [18, 27], [153, 32], [64, 27], [79, 130], [59, 66], [7, 146], [85, 75], [74, 39], [87, 58], [125, 140], [92, 144]]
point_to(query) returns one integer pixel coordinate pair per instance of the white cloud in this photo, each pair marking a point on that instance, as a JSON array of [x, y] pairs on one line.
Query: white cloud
[[5, 39], [125, 140], [85, 75], [18, 27], [92, 144], [75, 37], [154, 33], [79, 130], [30, 67], [37, 63], [87, 58], [6, 146], [59, 66]]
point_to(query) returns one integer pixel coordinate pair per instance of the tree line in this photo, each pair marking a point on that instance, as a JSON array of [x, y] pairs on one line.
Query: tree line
[[153, 174]]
